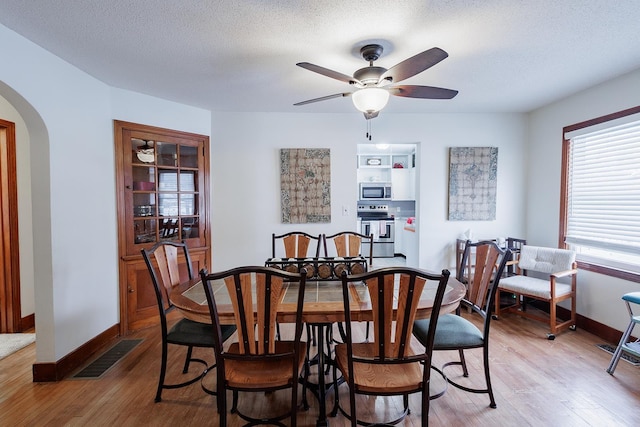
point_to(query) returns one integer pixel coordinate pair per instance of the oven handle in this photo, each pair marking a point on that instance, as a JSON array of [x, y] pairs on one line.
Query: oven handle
[[366, 230]]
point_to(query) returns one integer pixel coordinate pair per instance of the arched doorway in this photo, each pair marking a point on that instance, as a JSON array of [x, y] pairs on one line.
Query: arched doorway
[[31, 243]]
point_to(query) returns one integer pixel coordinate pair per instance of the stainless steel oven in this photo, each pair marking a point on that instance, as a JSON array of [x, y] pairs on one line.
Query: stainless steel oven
[[375, 220]]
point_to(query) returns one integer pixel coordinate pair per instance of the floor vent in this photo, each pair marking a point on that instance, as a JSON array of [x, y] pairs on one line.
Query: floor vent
[[625, 356], [99, 366]]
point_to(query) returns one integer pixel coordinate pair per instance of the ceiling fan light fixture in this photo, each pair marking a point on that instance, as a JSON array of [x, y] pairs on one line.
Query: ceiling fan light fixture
[[370, 99]]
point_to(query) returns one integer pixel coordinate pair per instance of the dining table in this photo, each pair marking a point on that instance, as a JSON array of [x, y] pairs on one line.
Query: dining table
[[323, 307]]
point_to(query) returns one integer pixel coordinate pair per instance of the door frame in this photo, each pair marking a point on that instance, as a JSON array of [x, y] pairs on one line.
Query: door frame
[[10, 312]]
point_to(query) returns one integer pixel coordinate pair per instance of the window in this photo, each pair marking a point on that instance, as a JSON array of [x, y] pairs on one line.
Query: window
[[600, 213]]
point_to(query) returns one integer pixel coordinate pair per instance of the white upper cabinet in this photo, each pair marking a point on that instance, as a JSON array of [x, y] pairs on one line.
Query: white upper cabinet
[[403, 184], [398, 168]]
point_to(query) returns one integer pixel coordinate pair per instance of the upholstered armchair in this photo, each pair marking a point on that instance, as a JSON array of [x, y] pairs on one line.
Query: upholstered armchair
[[538, 272]]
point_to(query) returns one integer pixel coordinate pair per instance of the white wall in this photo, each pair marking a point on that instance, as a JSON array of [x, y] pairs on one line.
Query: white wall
[[138, 108], [67, 114], [69, 118], [598, 295], [246, 183]]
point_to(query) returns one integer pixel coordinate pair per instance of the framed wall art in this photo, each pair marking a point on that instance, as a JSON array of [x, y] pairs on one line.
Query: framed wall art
[[305, 185], [472, 183]]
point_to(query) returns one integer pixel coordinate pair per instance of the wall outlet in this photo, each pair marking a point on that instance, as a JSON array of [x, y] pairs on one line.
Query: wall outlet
[[345, 210]]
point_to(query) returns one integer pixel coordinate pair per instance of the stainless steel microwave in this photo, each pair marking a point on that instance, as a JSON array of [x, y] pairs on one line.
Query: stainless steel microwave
[[375, 191]]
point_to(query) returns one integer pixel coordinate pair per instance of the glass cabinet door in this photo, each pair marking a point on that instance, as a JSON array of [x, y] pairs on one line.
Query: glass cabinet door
[[165, 189]]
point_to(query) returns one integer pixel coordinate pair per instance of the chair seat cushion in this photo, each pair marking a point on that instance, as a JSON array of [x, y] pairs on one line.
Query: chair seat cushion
[[452, 332], [262, 373], [533, 286], [633, 297], [379, 378], [188, 332]]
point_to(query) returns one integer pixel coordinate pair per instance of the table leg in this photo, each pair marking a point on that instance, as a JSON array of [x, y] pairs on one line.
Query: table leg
[[323, 362], [322, 391]]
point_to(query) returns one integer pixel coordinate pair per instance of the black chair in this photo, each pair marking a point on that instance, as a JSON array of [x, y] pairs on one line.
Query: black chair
[[162, 260], [389, 366], [257, 362], [453, 331]]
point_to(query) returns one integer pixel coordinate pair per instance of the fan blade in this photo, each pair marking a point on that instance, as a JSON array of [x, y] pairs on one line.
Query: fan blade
[[323, 98], [414, 65], [327, 72], [427, 92], [370, 116]]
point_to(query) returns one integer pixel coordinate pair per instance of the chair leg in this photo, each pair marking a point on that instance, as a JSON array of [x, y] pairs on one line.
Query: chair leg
[[552, 319], [294, 402], [222, 407], [163, 371], [234, 403], [336, 394], [616, 355], [305, 402], [352, 408], [463, 363], [425, 403], [487, 376], [185, 369]]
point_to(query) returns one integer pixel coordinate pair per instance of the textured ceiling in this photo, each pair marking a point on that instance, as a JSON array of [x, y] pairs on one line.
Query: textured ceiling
[[504, 55]]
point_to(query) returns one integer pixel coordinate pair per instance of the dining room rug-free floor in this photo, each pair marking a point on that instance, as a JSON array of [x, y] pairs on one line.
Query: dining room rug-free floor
[[10, 343]]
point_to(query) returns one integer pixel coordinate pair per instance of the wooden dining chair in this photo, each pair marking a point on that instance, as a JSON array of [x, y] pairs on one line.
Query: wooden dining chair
[[455, 332], [349, 244], [257, 362], [389, 365], [162, 261], [296, 244]]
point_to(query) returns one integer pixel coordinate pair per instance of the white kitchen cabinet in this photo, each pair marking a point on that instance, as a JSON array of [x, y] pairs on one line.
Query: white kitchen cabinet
[[374, 161], [374, 168], [402, 184]]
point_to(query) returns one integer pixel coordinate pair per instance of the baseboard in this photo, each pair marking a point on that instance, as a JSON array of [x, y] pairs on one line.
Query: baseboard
[[28, 322], [56, 371], [598, 329]]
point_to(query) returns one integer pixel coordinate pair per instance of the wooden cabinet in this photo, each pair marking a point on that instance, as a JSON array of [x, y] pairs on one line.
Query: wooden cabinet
[[162, 182]]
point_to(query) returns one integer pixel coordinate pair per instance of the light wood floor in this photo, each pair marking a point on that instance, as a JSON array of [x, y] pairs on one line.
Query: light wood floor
[[537, 383]]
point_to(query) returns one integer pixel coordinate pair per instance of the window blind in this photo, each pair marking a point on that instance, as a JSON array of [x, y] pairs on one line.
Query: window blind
[[604, 188]]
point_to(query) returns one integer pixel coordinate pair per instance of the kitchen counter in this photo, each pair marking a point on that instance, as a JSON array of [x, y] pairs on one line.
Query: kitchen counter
[[410, 238]]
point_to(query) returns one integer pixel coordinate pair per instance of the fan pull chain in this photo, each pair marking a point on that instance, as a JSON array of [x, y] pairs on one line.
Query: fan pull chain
[[368, 134]]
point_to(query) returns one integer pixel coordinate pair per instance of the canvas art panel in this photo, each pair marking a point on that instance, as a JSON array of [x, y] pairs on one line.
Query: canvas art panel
[[305, 185], [473, 180]]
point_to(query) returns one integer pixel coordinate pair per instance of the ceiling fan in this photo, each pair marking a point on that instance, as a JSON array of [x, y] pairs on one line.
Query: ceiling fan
[[375, 84]]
